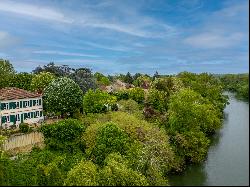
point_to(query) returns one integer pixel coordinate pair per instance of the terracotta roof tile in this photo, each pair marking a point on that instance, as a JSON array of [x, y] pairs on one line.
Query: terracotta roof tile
[[12, 93]]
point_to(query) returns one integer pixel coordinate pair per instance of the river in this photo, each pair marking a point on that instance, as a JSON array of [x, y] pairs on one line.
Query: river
[[227, 163]]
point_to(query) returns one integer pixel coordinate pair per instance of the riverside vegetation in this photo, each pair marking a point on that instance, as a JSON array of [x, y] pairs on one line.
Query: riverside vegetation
[[135, 136]]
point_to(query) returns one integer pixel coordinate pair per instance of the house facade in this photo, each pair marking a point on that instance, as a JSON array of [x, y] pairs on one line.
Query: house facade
[[19, 106]]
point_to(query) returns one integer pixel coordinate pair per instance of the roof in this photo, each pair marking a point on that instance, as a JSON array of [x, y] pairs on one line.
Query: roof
[[12, 93]]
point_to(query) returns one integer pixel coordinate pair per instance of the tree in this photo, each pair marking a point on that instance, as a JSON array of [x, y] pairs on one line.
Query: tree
[[189, 111], [58, 71], [64, 135], [110, 139], [22, 80], [84, 78], [128, 78], [83, 174], [97, 101], [6, 73], [117, 173], [158, 100], [156, 75], [137, 94], [101, 79], [41, 81], [142, 81], [193, 145], [63, 95]]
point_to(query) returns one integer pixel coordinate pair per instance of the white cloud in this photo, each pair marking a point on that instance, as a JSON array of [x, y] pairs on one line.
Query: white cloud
[[214, 40], [34, 11], [7, 40], [63, 53]]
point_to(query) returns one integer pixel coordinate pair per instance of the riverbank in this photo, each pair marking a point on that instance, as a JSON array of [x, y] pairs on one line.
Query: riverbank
[[227, 162]]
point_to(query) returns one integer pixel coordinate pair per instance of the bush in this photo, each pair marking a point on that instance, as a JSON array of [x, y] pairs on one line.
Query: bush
[[64, 135], [24, 127]]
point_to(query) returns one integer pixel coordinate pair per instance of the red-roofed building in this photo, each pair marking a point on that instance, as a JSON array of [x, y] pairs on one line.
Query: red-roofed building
[[19, 106]]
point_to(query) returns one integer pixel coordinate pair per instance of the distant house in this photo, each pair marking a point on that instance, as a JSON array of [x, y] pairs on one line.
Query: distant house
[[18, 106]]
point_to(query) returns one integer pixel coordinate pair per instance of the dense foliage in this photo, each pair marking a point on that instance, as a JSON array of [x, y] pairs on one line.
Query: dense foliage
[[41, 81], [96, 101], [162, 124], [236, 83]]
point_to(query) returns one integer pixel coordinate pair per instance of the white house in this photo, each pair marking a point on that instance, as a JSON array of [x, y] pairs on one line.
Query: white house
[[19, 106]]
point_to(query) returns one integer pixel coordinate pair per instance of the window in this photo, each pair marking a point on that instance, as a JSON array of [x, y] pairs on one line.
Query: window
[[6, 106], [37, 114], [17, 104], [26, 103], [7, 119], [18, 117]]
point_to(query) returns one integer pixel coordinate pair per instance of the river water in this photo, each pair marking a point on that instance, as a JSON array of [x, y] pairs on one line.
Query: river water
[[227, 163]]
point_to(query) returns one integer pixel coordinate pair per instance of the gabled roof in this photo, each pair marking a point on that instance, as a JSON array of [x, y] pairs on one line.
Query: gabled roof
[[12, 93]]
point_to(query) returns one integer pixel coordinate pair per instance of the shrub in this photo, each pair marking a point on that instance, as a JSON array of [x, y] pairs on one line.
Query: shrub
[[64, 135], [24, 127]]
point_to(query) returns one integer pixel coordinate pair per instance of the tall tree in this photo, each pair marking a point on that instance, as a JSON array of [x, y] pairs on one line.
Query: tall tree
[[84, 78], [6, 73], [128, 78]]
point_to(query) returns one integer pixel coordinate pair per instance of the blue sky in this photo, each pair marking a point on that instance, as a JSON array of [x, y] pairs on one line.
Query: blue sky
[[117, 36]]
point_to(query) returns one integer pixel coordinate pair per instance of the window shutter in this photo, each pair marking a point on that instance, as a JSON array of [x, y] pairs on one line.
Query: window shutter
[[12, 119]]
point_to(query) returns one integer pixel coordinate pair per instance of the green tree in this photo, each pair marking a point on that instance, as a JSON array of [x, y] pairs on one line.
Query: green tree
[[110, 139], [6, 73], [83, 174], [158, 100], [41, 81], [192, 145], [64, 135], [84, 78], [117, 173], [189, 111], [128, 78], [95, 101], [137, 94], [63, 95], [22, 80]]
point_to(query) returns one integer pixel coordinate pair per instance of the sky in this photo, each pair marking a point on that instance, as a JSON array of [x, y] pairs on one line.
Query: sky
[[120, 36]]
